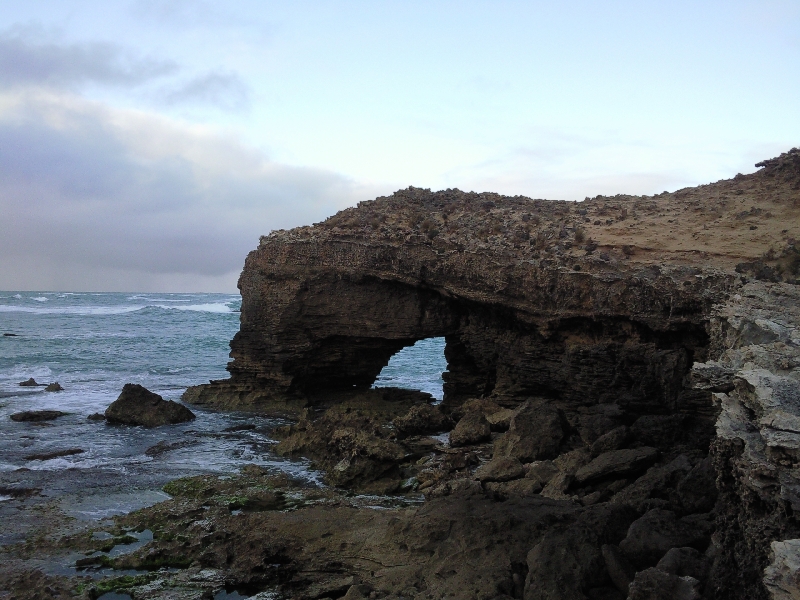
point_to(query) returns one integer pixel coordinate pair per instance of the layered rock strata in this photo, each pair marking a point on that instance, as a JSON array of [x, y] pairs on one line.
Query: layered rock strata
[[756, 384], [571, 333]]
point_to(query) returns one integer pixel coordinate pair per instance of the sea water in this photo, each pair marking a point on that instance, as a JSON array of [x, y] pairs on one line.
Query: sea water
[[94, 343]]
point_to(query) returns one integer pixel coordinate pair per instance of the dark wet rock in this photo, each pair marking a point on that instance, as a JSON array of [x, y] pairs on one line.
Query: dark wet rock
[[461, 486], [617, 463], [518, 488], [541, 471], [698, 490], [674, 434], [571, 462], [595, 421], [613, 440], [37, 415], [568, 561], [558, 485], [30, 383], [501, 420], [164, 446], [619, 569], [473, 428], [654, 584], [422, 419], [18, 492], [656, 488], [652, 535], [243, 427], [535, 433], [359, 591], [54, 387], [56, 454], [353, 441], [684, 562], [500, 469], [137, 405], [96, 417], [10, 335]]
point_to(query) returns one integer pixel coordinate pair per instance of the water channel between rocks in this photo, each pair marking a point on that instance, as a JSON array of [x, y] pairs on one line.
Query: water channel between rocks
[[93, 344]]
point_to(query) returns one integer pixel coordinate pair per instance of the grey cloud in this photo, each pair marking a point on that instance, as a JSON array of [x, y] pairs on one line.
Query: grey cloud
[[24, 60], [223, 90], [84, 201]]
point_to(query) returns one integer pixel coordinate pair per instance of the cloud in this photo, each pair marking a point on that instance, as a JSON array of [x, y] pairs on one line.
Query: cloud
[[27, 61], [28, 58], [131, 201], [223, 90]]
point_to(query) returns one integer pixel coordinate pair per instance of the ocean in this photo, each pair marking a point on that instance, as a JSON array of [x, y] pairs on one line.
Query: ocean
[[94, 343]]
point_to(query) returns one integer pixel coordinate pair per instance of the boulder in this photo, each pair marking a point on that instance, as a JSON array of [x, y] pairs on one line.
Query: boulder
[[558, 485], [422, 419], [619, 569], [54, 387], [698, 490], [656, 487], [500, 420], [502, 468], [595, 421], [37, 415], [684, 562], [137, 405], [29, 383], [96, 417], [541, 471], [568, 562], [651, 536], [613, 440], [473, 428], [518, 488], [535, 433], [654, 584], [617, 463], [571, 462]]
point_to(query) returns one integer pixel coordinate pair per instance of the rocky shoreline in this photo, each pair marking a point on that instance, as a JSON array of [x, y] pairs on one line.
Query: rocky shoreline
[[621, 413]]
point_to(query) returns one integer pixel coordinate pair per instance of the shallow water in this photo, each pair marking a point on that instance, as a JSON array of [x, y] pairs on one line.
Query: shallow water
[[94, 343]]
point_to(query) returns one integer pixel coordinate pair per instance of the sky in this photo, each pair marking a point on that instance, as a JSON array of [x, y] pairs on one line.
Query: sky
[[145, 145]]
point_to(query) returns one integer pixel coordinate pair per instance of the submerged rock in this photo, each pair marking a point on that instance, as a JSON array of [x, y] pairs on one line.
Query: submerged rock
[[29, 383], [37, 415], [54, 387], [137, 405], [55, 454]]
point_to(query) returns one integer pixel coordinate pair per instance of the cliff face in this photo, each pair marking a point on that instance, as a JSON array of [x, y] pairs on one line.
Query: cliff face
[[756, 383], [587, 317]]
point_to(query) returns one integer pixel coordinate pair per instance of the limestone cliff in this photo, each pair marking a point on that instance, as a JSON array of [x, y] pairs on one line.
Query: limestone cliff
[[587, 317]]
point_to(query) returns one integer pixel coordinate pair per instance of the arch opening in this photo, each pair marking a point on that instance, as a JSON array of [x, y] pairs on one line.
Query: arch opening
[[417, 367]]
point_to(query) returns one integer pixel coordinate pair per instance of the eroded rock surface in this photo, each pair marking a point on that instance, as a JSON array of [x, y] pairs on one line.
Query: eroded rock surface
[[756, 384]]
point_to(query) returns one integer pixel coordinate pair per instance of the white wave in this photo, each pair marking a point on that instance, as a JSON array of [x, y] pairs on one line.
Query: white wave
[[72, 310], [6, 498], [18, 296], [213, 307], [40, 299]]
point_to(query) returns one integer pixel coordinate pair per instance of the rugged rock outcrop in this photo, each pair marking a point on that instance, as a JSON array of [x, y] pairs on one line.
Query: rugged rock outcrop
[[137, 405], [756, 384], [604, 347]]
